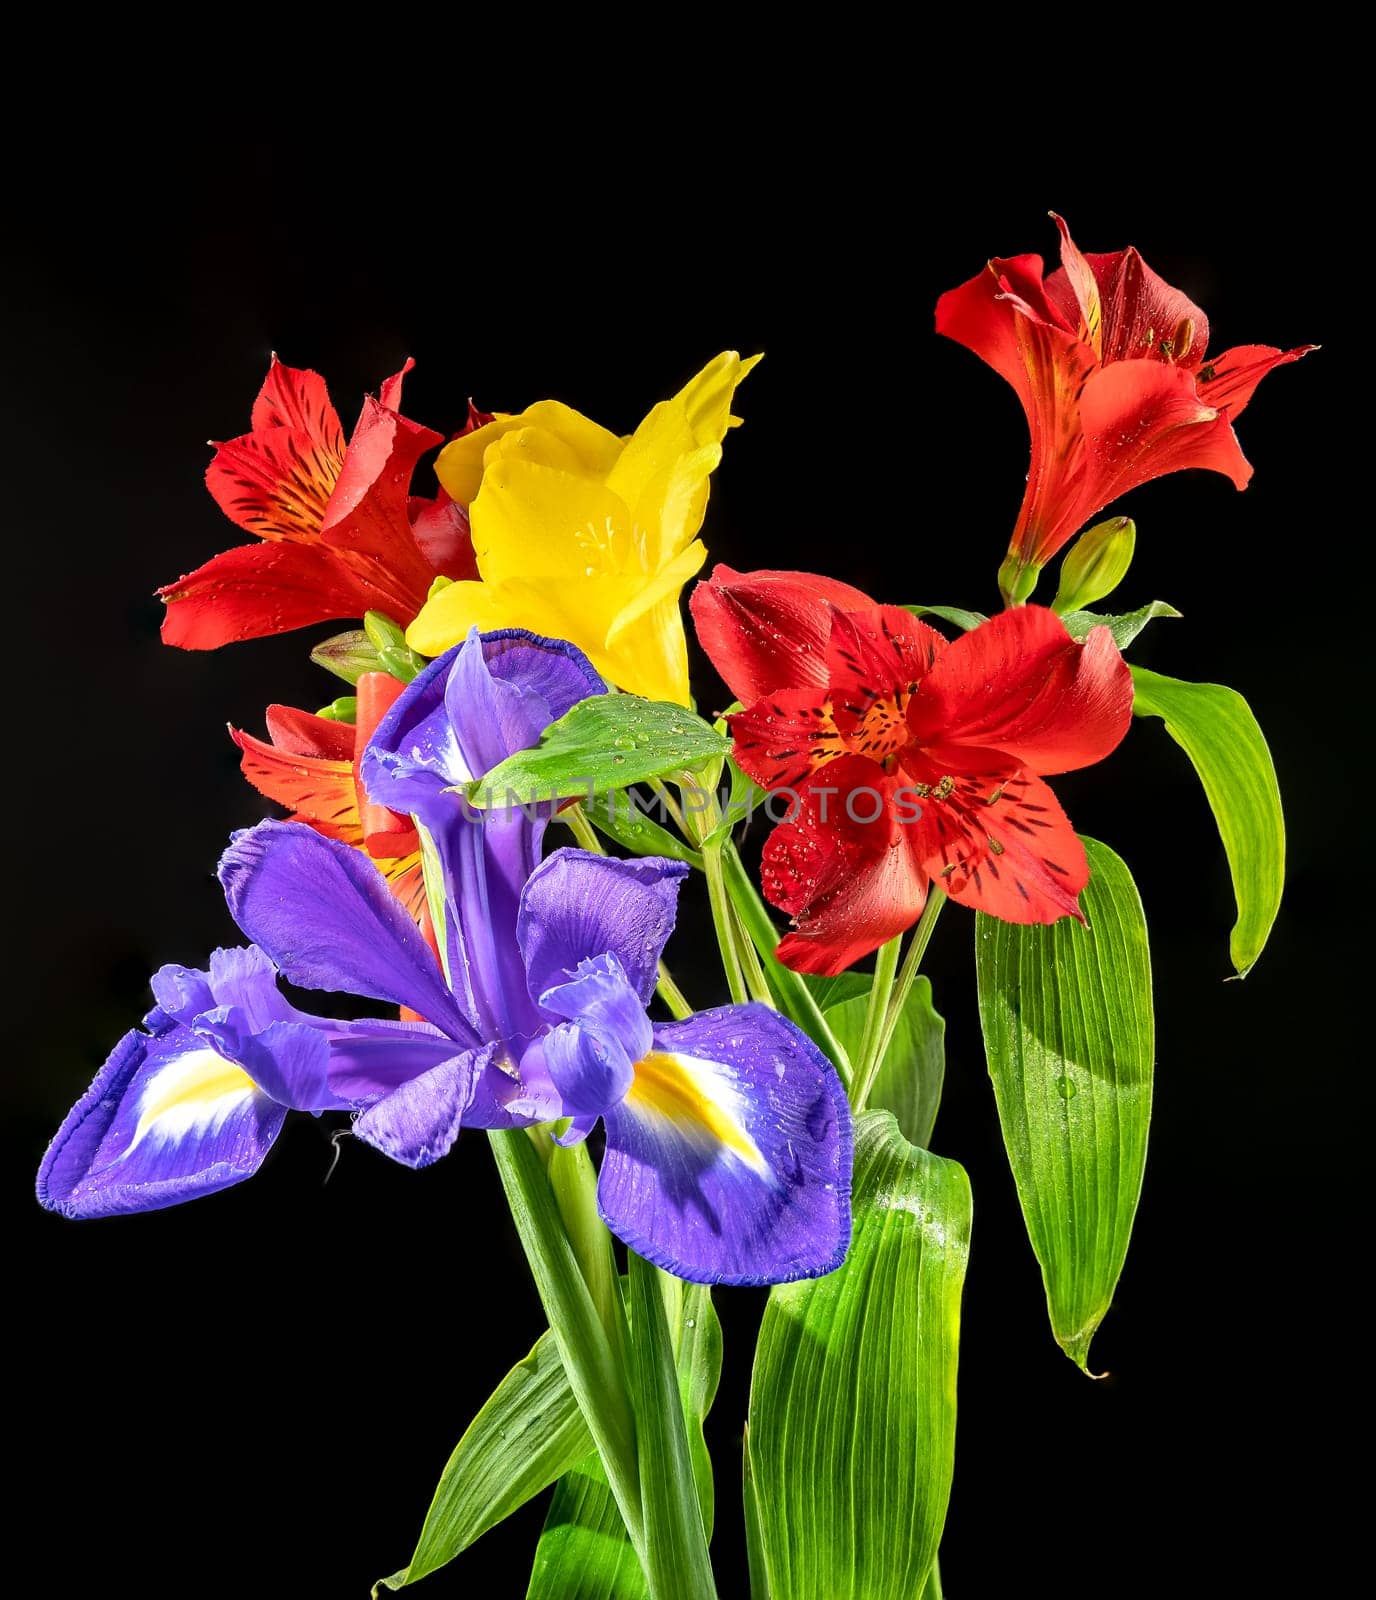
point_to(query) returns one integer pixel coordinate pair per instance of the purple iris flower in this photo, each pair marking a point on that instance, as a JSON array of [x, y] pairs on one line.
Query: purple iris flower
[[728, 1137]]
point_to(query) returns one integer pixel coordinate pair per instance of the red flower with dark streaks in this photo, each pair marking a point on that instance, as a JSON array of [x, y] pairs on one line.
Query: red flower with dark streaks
[[311, 767], [907, 759], [1109, 362], [341, 533]]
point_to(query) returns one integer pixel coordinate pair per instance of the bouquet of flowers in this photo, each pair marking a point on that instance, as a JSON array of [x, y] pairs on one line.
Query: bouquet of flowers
[[488, 837]]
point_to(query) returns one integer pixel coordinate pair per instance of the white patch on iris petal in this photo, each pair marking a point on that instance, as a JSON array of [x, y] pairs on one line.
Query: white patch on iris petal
[[697, 1099], [191, 1094]]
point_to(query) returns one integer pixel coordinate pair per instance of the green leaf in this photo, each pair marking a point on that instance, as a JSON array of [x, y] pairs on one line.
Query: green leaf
[[584, 1553], [852, 1404], [1067, 1018], [754, 1538], [790, 990], [529, 1433], [348, 655], [1124, 628], [676, 1560], [607, 742], [953, 614], [910, 1075], [619, 817], [696, 1330], [832, 991], [1217, 731]]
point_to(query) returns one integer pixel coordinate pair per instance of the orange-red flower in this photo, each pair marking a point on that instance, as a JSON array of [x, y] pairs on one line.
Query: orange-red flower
[[340, 532], [1110, 364], [311, 767], [902, 760]]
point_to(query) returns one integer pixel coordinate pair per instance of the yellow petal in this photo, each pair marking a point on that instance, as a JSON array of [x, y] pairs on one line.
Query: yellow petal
[[446, 617], [459, 466], [646, 651], [532, 521], [662, 472]]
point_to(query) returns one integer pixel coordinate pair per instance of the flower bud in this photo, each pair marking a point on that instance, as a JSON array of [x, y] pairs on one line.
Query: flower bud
[[1096, 564], [347, 655], [345, 709]]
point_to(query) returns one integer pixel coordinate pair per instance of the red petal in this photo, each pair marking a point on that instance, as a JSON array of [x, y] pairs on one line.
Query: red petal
[[1058, 367], [275, 482], [390, 393], [1229, 381], [1002, 844], [441, 530], [983, 314], [783, 737], [292, 397], [299, 733], [367, 515], [258, 589], [1143, 317], [316, 791], [385, 833], [1021, 685], [1143, 419], [768, 630], [875, 659], [850, 885]]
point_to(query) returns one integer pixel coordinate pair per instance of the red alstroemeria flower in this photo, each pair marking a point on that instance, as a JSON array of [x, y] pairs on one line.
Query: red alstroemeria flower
[[911, 760], [311, 767], [1109, 363], [341, 532]]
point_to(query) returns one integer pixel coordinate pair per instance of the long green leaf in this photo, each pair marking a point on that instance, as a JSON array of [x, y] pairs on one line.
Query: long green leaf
[[790, 990], [852, 1404], [615, 815], [529, 1433], [605, 743], [1067, 1018], [676, 1560], [910, 1076], [584, 1553], [1124, 627], [1216, 729], [955, 615]]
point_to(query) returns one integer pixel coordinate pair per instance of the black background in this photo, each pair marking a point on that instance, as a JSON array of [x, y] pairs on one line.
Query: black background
[[255, 1394]]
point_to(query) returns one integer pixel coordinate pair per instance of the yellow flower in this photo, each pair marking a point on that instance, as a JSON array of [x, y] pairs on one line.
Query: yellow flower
[[583, 536]]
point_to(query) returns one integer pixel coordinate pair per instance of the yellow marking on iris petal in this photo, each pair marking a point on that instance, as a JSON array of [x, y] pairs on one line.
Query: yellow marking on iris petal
[[195, 1090], [690, 1096]]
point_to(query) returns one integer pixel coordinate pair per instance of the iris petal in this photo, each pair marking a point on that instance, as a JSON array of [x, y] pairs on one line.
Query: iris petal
[[324, 914], [729, 1161], [166, 1119], [577, 906]]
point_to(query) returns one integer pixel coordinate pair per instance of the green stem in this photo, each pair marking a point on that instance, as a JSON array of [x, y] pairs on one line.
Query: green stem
[[574, 1182], [661, 793], [881, 988], [677, 1565], [574, 817], [594, 1374], [723, 921], [922, 934], [672, 995], [755, 979]]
